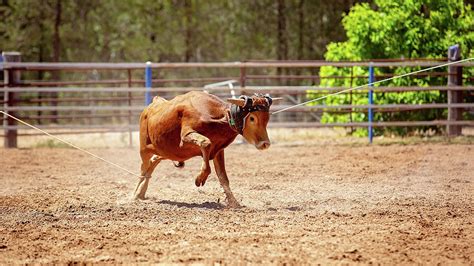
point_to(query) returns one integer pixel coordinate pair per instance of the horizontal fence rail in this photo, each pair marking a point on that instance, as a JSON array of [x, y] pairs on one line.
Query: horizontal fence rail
[[126, 128], [126, 66], [109, 97], [248, 89], [273, 108]]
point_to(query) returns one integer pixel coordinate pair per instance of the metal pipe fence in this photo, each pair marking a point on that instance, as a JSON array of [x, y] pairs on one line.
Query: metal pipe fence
[[67, 106]]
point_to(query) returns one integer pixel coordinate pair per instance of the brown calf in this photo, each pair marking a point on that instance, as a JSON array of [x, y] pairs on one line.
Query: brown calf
[[199, 124]]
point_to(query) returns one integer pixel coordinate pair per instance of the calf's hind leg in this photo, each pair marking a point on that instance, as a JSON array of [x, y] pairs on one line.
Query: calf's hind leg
[[149, 163], [219, 165]]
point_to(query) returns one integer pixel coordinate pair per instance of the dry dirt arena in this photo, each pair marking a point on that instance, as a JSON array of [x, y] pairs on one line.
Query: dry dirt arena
[[318, 203]]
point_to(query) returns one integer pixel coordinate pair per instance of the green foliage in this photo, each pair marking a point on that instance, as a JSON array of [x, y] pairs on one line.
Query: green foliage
[[169, 30], [50, 143], [398, 29]]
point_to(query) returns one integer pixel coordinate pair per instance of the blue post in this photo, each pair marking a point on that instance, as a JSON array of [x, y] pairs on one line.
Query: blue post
[[371, 102], [148, 83]]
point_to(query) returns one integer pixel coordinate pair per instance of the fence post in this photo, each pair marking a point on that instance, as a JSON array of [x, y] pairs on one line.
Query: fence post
[[454, 96], [11, 79], [242, 77], [130, 132], [371, 102], [148, 83]]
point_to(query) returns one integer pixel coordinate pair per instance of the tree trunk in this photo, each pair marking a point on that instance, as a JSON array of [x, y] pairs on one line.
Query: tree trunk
[[56, 52], [301, 30], [188, 30], [56, 37], [282, 39]]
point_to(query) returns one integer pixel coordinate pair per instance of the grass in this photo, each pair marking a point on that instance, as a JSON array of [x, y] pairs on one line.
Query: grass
[[51, 143]]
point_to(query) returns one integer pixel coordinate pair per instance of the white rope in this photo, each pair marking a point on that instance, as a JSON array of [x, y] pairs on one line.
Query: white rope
[[376, 82], [72, 145]]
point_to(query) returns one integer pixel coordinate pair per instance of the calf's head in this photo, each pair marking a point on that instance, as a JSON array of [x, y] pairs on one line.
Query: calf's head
[[249, 116]]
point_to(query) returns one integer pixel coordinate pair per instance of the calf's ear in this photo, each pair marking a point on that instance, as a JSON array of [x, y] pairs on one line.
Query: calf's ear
[[239, 102]]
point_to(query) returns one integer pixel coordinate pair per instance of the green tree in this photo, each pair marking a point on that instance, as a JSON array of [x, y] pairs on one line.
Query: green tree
[[398, 29], [170, 30]]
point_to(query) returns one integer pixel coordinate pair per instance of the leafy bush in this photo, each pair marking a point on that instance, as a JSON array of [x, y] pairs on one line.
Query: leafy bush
[[398, 29]]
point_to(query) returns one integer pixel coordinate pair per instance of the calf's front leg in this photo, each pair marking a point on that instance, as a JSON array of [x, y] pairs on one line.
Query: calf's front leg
[[204, 144], [219, 165]]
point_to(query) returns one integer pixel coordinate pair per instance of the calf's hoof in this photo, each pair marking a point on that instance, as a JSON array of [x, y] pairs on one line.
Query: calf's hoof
[[201, 179], [233, 204], [141, 188], [139, 197], [200, 182]]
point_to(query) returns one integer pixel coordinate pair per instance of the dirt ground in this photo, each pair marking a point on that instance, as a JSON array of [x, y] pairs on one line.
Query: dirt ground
[[319, 203]]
